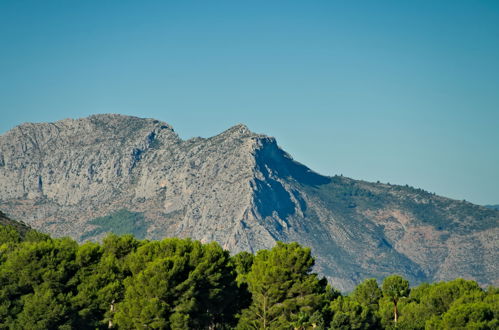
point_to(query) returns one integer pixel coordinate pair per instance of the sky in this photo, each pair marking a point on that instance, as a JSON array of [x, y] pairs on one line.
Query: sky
[[405, 92]]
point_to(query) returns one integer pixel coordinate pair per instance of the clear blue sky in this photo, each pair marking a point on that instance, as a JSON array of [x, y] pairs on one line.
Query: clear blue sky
[[404, 92]]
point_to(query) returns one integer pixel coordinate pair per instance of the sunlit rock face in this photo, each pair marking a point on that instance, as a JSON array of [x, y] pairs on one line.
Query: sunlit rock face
[[240, 189]]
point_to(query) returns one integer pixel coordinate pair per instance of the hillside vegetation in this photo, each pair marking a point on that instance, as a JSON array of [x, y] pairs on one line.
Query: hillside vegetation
[[12, 231], [125, 283]]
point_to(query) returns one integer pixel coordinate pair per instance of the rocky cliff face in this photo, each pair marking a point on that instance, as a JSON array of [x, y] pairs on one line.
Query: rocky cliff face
[[83, 177]]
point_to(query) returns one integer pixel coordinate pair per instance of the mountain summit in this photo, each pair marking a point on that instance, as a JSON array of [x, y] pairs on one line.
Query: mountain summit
[[84, 177]]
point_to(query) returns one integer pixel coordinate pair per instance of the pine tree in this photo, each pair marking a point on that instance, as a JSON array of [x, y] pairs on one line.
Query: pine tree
[[283, 288]]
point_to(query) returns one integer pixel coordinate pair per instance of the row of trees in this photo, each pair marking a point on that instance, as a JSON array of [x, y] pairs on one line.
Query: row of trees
[[182, 284]]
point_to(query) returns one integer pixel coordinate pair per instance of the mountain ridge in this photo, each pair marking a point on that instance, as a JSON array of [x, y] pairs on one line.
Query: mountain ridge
[[242, 190]]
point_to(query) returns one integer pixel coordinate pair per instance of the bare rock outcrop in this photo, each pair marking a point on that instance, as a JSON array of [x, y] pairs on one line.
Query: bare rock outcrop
[[240, 189]]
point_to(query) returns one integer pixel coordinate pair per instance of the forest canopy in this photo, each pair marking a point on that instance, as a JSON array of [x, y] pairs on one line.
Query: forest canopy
[[125, 283]]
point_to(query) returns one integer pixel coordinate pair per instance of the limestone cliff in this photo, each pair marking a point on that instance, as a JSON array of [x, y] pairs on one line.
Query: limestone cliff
[[71, 177]]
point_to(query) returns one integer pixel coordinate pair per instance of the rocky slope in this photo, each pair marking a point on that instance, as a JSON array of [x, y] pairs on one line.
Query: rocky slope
[[84, 177], [19, 226]]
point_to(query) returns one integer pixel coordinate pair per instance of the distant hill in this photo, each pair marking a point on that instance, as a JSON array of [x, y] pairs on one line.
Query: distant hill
[[493, 207], [103, 173]]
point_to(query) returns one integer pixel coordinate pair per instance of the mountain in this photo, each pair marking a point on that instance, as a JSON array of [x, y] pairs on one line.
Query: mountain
[[494, 207], [84, 177]]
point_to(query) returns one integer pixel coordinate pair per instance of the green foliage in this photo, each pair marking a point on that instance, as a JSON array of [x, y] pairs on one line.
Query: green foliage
[[243, 262], [349, 314], [19, 226], [178, 284], [477, 315], [182, 284], [283, 288], [120, 222], [102, 270], [368, 294], [35, 236], [44, 309], [440, 296], [119, 246], [438, 305], [12, 233], [9, 235], [395, 287], [36, 285]]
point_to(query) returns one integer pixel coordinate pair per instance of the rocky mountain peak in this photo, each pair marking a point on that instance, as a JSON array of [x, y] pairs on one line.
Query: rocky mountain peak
[[85, 177], [240, 131]]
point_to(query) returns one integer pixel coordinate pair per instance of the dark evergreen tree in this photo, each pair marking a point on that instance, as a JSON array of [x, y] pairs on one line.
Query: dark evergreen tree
[[36, 285], [182, 284], [179, 284], [101, 272], [283, 288]]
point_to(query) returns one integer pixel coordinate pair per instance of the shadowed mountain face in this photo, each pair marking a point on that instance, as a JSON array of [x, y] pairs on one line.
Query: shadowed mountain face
[[103, 173]]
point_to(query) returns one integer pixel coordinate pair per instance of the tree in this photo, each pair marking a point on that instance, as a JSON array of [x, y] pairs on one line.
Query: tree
[[441, 296], [35, 236], [368, 293], [394, 288], [468, 306], [9, 234], [242, 261], [283, 288], [350, 314], [478, 315], [36, 282], [178, 284], [45, 309], [101, 271]]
